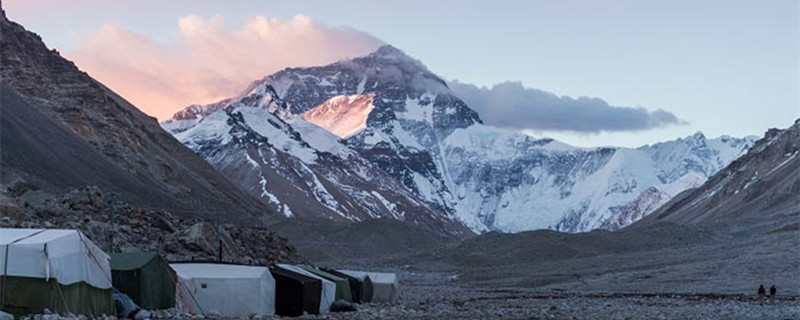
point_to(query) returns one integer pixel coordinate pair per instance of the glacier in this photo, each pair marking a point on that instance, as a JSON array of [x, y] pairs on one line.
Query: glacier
[[435, 153]]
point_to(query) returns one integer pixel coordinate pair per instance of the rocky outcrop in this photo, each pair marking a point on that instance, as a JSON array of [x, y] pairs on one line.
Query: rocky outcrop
[[117, 226]]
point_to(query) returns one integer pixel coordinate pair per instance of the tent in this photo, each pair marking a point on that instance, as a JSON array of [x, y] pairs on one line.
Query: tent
[[357, 286], [60, 270], [343, 291], [225, 289], [295, 293], [328, 292], [145, 277], [385, 286]]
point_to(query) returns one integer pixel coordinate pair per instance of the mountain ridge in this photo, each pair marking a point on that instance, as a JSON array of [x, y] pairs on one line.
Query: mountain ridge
[[434, 145]]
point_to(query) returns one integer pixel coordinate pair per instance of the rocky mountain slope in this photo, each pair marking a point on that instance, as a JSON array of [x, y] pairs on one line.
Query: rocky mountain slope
[[118, 226], [300, 169], [437, 149], [61, 130], [75, 155], [764, 185]]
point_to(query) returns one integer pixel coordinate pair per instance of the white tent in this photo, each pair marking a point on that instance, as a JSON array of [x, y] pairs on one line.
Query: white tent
[[328, 294], [64, 255], [224, 289], [385, 286], [61, 270]]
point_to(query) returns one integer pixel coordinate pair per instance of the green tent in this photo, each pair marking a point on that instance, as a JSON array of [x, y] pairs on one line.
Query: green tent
[[60, 270], [145, 277], [342, 285]]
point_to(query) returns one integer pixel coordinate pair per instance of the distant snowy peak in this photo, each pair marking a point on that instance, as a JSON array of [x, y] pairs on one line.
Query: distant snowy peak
[[342, 115], [696, 153], [259, 96], [762, 185], [196, 111], [387, 115]]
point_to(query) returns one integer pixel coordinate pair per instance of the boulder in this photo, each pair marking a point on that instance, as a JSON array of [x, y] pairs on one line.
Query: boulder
[[17, 187], [200, 237], [88, 198], [38, 199], [342, 306]]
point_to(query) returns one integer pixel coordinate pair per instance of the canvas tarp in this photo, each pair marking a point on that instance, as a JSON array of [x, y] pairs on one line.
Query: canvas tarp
[[145, 277], [60, 270], [295, 293], [385, 287], [224, 289], [357, 286], [328, 292], [343, 291]]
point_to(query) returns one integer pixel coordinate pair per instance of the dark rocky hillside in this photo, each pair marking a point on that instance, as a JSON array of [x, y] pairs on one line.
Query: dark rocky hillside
[[61, 129], [75, 155]]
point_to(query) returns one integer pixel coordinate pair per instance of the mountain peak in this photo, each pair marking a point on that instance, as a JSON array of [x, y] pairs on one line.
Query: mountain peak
[[389, 50], [391, 55]]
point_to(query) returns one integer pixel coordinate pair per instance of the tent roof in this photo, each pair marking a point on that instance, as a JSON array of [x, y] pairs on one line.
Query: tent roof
[[218, 271], [131, 260], [376, 277], [322, 273], [302, 271], [66, 255], [32, 236]]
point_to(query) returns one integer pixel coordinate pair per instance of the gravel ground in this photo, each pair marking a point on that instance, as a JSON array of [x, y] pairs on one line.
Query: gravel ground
[[429, 303], [435, 296]]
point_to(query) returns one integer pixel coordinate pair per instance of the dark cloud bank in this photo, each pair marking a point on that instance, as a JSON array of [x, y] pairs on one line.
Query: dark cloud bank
[[511, 105]]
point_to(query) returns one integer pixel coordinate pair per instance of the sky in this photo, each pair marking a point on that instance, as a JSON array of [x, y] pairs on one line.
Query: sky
[[652, 70]]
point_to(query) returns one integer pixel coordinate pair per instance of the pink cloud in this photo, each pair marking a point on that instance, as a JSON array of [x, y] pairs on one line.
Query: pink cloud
[[207, 61]]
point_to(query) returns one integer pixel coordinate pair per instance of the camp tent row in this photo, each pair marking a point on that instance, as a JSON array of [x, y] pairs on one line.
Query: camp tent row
[[384, 286], [286, 290], [64, 271]]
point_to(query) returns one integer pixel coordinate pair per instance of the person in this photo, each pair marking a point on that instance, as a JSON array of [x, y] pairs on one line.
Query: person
[[762, 293], [772, 291]]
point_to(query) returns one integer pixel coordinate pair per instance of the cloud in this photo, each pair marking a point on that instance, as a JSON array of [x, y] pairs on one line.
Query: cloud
[[206, 61], [513, 106]]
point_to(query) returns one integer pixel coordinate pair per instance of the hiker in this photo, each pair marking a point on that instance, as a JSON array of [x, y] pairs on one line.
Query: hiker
[[772, 291], [762, 293]]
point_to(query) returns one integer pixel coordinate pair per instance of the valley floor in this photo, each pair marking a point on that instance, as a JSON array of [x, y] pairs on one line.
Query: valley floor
[[660, 272], [423, 300]]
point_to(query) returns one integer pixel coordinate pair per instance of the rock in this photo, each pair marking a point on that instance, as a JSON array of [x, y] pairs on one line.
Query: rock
[[18, 187], [12, 208], [38, 198], [138, 229], [342, 306], [141, 315], [88, 198], [200, 237]]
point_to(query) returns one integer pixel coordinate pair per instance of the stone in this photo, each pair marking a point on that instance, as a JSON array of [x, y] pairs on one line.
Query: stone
[[38, 198], [200, 237], [342, 306]]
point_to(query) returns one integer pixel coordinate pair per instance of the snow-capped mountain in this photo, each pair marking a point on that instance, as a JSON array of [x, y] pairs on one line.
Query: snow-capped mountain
[[299, 168], [402, 122], [762, 186]]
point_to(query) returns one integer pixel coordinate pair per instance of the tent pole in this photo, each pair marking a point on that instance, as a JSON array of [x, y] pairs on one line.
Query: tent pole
[[5, 276]]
